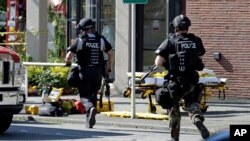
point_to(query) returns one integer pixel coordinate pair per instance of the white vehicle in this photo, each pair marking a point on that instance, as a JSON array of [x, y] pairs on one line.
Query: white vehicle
[[12, 98]]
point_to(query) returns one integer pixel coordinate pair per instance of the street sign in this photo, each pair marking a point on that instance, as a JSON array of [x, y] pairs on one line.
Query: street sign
[[136, 1]]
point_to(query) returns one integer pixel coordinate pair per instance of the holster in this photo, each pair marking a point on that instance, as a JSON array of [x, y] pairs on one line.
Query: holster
[[174, 90]]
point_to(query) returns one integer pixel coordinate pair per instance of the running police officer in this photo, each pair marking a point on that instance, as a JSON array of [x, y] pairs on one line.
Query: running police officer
[[89, 48], [181, 55]]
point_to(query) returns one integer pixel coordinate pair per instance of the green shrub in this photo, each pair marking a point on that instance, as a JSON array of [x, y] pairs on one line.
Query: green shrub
[[47, 76]]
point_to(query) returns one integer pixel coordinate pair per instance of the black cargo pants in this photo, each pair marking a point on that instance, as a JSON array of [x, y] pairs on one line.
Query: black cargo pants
[[190, 92], [91, 77]]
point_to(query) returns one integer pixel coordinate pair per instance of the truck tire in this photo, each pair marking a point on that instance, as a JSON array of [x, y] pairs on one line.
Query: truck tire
[[17, 110], [5, 122]]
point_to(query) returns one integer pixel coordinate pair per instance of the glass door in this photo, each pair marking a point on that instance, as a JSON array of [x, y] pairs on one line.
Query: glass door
[[154, 29], [89, 8], [101, 11], [107, 20], [71, 20]]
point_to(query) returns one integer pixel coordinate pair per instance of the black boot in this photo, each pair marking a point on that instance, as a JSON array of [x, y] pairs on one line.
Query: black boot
[[91, 117], [201, 127], [174, 139]]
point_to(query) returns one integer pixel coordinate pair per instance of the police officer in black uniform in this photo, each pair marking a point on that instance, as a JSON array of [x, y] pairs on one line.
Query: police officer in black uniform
[[181, 55], [89, 48]]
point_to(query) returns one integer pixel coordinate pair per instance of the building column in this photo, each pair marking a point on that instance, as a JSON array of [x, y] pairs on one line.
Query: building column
[[122, 45], [37, 33]]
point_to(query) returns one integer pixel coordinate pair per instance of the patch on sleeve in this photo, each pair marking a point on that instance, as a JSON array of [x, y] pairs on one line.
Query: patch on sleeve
[[157, 51]]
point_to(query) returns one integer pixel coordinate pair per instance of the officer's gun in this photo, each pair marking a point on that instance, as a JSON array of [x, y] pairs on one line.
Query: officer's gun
[[105, 86], [151, 69], [108, 80]]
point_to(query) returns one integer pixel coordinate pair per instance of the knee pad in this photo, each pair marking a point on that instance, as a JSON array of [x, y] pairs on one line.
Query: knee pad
[[199, 116], [86, 103]]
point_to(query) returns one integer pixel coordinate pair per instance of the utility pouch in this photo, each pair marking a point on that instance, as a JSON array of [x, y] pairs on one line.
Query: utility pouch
[[174, 91], [162, 97], [199, 65], [173, 62], [73, 78]]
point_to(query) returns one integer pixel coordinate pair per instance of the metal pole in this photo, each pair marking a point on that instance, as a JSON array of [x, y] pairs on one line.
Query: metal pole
[[26, 82], [68, 23], [98, 16], [167, 18], [133, 26]]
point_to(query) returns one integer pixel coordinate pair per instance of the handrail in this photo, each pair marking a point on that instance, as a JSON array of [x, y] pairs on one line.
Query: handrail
[[45, 64], [12, 33], [13, 43]]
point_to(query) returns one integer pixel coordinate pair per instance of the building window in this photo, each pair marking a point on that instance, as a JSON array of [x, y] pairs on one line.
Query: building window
[[108, 20], [154, 28], [103, 13]]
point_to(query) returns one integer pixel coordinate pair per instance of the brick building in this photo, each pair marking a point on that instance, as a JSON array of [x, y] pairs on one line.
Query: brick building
[[224, 27]]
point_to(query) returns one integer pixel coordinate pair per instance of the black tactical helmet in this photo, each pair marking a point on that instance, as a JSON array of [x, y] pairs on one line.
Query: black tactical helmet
[[86, 23], [181, 22]]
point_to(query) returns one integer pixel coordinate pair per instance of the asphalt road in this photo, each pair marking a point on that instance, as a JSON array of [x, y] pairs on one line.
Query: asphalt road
[[220, 115], [45, 131]]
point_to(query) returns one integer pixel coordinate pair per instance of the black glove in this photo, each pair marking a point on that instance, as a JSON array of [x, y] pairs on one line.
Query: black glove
[[68, 64]]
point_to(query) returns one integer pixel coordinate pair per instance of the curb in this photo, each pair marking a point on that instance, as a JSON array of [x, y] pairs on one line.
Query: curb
[[163, 125], [138, 125]]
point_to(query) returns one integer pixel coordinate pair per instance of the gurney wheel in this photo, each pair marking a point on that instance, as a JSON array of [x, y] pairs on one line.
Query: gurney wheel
[[204, 109], [183, 108], [127, 92], [143, 95], [152, 109], [182, 104]]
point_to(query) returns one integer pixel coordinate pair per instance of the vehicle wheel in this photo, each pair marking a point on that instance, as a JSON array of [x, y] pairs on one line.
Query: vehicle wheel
[[5, 122], [17, 111]]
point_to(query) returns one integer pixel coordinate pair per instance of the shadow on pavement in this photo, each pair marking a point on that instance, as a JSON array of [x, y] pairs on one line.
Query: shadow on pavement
[[17, 132]]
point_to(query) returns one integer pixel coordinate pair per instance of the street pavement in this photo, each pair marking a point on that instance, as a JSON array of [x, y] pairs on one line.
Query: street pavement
[[219, 116]]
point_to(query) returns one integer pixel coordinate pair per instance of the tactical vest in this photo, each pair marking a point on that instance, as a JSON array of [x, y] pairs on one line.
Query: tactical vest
[[89, 52], [186, 58]]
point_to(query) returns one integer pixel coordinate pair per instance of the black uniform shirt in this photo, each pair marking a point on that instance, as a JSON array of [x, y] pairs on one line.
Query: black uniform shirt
[[168, 46], [78, 47]]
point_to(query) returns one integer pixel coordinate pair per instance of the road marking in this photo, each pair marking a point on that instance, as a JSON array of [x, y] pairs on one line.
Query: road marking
[[24, 131]]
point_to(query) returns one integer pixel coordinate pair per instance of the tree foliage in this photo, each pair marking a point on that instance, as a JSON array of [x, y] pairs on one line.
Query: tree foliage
[[3, 5]]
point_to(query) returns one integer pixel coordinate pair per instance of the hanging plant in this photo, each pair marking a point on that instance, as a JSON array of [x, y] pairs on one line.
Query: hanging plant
[[60, 36], [59, 22]]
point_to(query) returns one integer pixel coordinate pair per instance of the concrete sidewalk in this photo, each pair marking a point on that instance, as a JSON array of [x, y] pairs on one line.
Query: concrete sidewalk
[[219, 116]]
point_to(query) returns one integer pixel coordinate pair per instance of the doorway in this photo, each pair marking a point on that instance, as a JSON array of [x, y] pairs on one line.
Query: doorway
[[155, 26]]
